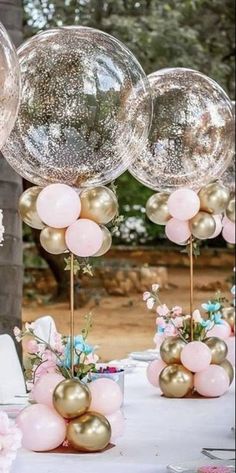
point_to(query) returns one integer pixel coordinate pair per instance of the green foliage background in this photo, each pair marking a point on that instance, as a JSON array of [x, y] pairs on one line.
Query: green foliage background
[[187, 33]]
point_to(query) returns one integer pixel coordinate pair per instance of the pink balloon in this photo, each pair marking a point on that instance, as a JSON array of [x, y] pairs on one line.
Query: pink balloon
[[84, 238], [229, 231], [42, 428], [222, 330], [219, 226], [230, 342], [183, 204], [43, 389], [196, 356], [212, 382], [153, 371], [178, 231], [58, 205], [106, 396], [117, 423]]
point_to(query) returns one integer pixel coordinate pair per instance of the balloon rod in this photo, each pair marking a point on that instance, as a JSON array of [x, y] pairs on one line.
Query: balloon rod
[[191, 287], [72, 315]]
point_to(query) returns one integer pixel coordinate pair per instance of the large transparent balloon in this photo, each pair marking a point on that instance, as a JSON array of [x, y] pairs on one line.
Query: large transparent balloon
[[85, 110], [192, 136], [9, 85]]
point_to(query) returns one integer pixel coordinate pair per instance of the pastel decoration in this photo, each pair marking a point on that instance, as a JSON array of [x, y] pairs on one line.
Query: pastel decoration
[[106, 395], [153, 371], [58, 205], [196, 356], [212, 382], [117, 423], [222, 330], [218, 230], [84, 238], [44, 388], [183, 204], [178, 231]]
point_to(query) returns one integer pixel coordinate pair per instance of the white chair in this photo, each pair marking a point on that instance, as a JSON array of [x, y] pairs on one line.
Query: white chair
[[45, 328], [12, 383]]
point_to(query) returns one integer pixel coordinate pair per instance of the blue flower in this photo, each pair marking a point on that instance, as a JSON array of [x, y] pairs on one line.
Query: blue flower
[[211, 306], [207, 324], [218, 318], [80, 346]]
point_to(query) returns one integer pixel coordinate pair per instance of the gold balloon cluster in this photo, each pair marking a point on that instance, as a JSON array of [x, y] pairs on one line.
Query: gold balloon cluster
[[175, 380], [98, 204], [86, 431], [214, 198]]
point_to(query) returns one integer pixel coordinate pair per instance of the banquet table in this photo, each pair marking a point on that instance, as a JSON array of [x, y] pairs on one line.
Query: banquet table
[[158, 432]]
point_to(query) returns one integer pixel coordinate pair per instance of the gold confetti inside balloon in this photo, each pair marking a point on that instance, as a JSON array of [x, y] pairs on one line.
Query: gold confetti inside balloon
[[107, 242], [85, 108], [171, 349], [90, 432], [219, 349], [176, 381], [53, 240], [229, 369], [71, 398], [157, 208], [27, 208], [214, 198], [202, 225], [98, 204], [9, 85], [191, 141]]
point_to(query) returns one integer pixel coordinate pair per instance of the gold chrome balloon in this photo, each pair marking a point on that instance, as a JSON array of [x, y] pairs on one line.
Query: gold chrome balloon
[[53, 240], [229, 316], [71, 398], [202, 226], [230, 211], [98, 204], [171, 349], [219, 349], [176, 381], [90, 432], [27, 208], [107, 242], [229, 370], [157, 208], [214, 198]]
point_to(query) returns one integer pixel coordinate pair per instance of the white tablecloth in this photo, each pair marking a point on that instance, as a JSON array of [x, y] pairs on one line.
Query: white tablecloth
[[158, 432]]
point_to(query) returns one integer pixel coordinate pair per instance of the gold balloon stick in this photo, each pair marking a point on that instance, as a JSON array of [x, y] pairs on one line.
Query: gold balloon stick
[[72, 313], [191, 286]]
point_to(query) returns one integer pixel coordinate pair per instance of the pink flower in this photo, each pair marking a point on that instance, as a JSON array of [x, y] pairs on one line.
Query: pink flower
[[150, 303], [163, 310], [91, 358], [197, 316], [17, 333], [177, 311], [58, 344], [160, 322], [155, 287], [178, 321], [146, 296], [170, 331], [31, 347]]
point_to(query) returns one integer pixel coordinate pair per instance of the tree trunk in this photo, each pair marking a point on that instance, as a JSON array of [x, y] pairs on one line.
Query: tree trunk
[[11, 267]]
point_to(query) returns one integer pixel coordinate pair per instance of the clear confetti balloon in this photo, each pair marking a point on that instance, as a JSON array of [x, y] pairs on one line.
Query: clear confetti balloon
[[85, 110], [191, 141], [228, 178], [9, 85]]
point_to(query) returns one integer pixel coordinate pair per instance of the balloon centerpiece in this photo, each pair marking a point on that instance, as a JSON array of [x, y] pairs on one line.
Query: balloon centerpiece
[[84, 115]]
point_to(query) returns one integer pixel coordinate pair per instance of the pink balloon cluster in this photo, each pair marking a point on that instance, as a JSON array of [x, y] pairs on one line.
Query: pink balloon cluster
[[43, 429], [210, 380], [183, 206], [59, 206]]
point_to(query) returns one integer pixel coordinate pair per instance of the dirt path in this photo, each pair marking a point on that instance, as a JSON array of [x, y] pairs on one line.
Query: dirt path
[[122, 324]]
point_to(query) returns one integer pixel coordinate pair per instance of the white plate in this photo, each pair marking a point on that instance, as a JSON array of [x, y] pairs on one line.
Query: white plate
[[147, 355]]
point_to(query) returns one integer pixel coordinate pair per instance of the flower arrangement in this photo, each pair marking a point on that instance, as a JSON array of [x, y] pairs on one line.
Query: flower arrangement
[[173, 322], [2, 229], [54, 356], [10, 442]]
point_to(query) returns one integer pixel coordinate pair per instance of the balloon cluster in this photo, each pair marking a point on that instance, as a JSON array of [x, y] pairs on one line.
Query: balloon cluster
[[185, 368], [186, 213], [86, 417], [69, 220]]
